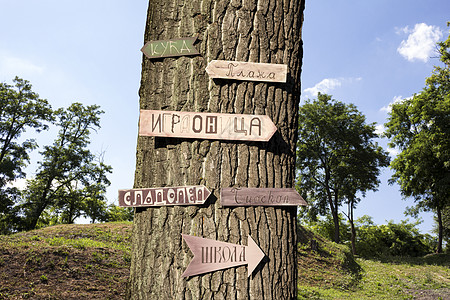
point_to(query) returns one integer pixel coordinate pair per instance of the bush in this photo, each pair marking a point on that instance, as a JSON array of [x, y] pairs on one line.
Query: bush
[[391, 239], [402, 239]]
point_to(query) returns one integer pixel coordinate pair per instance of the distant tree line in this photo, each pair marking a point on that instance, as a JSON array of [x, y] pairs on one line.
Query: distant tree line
[[338, 159], [70, 181]]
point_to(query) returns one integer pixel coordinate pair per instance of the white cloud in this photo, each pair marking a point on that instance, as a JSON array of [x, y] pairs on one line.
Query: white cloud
[[379, 129], [421, 42], [402, 30], [329, 84], [388, 108], [21, 184], [393, 152], [12, 66]]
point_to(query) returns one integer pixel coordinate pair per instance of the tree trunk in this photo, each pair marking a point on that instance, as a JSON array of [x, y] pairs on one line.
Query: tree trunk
[[440, 230], [334, 206], [255, 31], [352, 226], [337, 238]]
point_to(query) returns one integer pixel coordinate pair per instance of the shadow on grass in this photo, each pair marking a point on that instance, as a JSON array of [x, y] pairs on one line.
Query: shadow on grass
[[329, 254]]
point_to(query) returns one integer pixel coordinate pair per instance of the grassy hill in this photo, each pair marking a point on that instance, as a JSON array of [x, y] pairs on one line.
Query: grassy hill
[[92, 262], [66, 262]]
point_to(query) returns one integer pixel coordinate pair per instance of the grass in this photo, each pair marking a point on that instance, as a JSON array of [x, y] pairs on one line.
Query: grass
[[328, 271], [92, 261], [382, 280]]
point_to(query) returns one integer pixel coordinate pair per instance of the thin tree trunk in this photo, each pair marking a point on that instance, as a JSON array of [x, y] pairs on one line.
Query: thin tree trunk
[[336, 226], [352, 226], [256, 31], [334, 213], [333, 207], [440, 230]]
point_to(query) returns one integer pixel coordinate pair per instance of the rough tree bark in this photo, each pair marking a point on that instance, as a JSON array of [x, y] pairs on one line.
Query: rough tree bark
[[267, 31]]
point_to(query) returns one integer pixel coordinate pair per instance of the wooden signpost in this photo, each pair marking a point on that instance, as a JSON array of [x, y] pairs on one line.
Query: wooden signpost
[[168, 48], [260, 197], [205, 125], [249, 71], [211, 255], [186, 195]]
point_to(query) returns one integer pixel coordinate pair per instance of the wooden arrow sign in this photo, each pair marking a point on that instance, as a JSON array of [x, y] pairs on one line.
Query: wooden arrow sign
[[185, 195], [205, 125], [168, 48], [249, 71], [260, 197], [211, 255]]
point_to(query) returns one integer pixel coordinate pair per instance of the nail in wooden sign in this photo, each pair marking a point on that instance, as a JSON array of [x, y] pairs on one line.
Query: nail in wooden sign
[[186, 195], [249, 71], [205, 125], [168, 48], [260, 197], [211, 255]]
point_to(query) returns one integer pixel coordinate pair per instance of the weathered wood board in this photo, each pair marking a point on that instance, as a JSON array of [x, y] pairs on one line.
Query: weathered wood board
[[248, 71], [205, 125], [170, 48], [211, 255], [185, 195], [260, 197]]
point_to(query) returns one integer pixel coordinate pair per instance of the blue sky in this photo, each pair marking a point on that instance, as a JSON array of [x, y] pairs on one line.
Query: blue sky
[[369, 53]]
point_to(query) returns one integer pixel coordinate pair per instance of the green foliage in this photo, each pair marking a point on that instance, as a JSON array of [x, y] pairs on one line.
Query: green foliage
[[21, 109], [119, 214], [336, 156], [325, 227], [70, 181], [419, 127], [391, 239], [70, 178]]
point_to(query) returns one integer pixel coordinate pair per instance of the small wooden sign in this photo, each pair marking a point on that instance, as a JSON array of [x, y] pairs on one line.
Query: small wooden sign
[[211, 255], [248, 71], [205, 125], [168, 48], [260, 197], [185, 195]]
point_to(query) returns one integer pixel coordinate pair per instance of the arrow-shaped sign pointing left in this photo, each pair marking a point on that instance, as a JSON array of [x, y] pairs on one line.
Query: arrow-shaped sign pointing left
[[211, 255]]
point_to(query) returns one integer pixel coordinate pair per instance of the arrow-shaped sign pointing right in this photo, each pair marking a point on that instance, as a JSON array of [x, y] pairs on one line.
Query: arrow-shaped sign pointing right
[[211, 255]]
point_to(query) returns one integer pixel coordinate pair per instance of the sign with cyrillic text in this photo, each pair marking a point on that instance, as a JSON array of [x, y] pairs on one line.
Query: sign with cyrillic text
[[205, 125], [211, 255], [260, 197], [248, 71], [168, 48], [167, 196]]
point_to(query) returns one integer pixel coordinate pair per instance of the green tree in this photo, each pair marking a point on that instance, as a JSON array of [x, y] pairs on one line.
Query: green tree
[[336, 157], [68, 174], [420, 128], [21, 109], [325, 227], [116, 213]]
